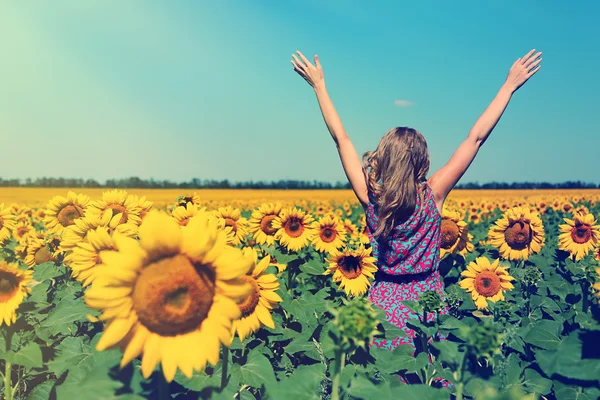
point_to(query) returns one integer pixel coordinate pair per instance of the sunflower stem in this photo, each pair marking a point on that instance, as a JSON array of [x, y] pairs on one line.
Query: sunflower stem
[[339, 366], [224, 366], [8, 392]]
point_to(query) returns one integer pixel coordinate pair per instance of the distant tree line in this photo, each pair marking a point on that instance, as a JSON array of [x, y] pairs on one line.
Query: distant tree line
[[137, 183]]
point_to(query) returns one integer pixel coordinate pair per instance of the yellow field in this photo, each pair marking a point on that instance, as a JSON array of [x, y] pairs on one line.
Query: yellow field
[[38, 197]]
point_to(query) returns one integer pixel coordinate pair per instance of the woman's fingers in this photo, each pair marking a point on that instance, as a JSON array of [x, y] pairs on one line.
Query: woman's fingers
[[526, 56], [304, 58], [299, 63], [533, 64], [533, 71], [532, 60]]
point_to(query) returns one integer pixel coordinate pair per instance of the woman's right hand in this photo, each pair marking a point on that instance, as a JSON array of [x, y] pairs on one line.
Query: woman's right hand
[[313, 74], [523, 69]]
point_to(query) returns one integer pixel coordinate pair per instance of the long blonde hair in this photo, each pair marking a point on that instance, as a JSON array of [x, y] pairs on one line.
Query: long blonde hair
[[395, 173]]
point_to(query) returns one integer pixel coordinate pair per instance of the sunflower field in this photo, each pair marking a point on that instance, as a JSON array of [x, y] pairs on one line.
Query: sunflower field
[[256, 295]]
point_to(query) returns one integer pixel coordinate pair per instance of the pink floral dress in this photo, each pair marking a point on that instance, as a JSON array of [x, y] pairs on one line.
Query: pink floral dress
[[408, 262]]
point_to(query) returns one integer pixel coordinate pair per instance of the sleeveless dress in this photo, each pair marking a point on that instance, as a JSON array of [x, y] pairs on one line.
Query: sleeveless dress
[[408, 264]]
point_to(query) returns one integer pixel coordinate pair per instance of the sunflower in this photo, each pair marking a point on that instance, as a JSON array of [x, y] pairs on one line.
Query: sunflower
[[256, 308], [64, 211], [84, 259], [364, 235], [579, 235], [123, 207], [330, 234], [171, 291], [7, 223], [485, 281], [144, 205], [455, 237], [233, 222], [21, 230], [182, 214], [260, 223], [294, 229], [13, 289], [183, 201], [38, 252], [351, 229], [518, 234], [352, 268]]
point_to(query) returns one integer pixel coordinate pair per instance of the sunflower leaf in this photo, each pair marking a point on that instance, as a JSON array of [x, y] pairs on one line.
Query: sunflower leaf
[[257, 370], [313, 267], [72, 352], [545, 334], [42, 391], [96, 384], [62, 319], [45, 271], [566, 360], [537, 383], [29, 356], [303, 384]]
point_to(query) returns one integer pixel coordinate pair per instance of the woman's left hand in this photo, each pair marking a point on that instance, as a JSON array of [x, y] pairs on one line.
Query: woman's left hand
[[313, 74]]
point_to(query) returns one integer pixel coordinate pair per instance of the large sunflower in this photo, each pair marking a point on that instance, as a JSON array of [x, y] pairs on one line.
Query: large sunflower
[[260, 223], [7, 223], [234, 223], [455, 236], [518, 234], [485, 281], [123, 207], [352, 268], [294, 229], [172, 296], [256, 308], [84, 259], [13, 289], [330, 234], [579, 235], [63, 211]]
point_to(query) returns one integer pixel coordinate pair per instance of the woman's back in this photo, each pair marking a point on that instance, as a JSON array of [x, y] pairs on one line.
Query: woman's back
[[413, 247]]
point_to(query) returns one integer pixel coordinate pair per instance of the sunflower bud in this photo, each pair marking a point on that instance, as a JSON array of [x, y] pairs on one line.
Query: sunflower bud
[[532, 276], [355, 324], [502, 310], [484, 339], [453, 298], [430, 301]]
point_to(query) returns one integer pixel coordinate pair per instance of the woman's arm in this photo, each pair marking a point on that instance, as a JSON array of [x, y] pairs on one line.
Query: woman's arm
[[444, 180], [348, 155]]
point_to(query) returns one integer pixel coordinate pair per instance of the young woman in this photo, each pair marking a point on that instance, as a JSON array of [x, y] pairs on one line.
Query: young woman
[[403, 207]]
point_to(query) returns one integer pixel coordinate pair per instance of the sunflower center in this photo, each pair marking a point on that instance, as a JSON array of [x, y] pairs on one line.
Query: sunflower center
[[21, 231], [232, 223], [172, 296], [350, 267], [327, 234], [518, 235], [265, 225], [249, 305], [118, 209], [8, 285], [68, 214], [294, 227], [581, 233], [487, 283], [42, 255], [449, 234]]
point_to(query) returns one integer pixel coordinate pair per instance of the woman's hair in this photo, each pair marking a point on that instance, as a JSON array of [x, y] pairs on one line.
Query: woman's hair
[[394, 172]]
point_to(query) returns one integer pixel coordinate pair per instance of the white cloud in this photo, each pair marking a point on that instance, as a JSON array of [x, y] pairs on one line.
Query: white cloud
[[403, 103]]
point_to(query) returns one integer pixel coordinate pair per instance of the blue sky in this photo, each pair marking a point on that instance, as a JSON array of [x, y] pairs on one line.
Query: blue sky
[[176, 90]]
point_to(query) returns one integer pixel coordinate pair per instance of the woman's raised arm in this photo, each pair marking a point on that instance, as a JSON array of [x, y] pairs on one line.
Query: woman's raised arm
[[444, 180], [313, 74]]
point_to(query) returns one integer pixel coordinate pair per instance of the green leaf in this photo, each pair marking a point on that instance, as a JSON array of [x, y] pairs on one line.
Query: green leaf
[[257, 370], [303, 384], [95, 385], [72, 352], [399, 359], [41, 391], [313, 267], [448, 351], [63, 317], [304, 308], [29, 356], [566, 361], [198, 381], [537, 383], [420, 392], [512, 370], [545, 334], [539, 261], [47, 270]]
